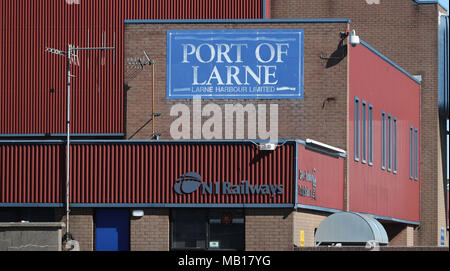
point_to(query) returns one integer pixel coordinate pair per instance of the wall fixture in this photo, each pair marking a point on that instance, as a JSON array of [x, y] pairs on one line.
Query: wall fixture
[[354, 39], [138, 213]]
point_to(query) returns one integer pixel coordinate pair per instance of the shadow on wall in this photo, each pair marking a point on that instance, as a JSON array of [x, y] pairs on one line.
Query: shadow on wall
[[337, 56]]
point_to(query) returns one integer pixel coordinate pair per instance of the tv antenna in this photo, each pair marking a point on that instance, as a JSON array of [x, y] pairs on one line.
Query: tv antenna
[[71, 58], [139, 64]]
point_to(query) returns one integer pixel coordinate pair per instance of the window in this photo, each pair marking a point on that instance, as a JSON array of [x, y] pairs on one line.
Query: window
[[389, 142], [411, 153], [207, 229], [389, 137], [356, 149], [395, 163], [370, 133], [189, 229], [383, 140], [363, 132], [226, 229], [416, 155]]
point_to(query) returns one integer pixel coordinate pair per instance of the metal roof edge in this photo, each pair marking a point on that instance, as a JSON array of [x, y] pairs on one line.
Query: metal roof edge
[[55, 135], [184, 141], [390, 61], [182, 205], [390, 218], [318, 208], [419, 2], [238, 21], [305, 143], [141, 141]]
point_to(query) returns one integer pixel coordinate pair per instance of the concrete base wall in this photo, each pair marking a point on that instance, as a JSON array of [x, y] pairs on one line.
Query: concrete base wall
[[31, 236]]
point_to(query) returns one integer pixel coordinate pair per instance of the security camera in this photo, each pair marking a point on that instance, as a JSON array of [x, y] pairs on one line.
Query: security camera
[[354, 39]]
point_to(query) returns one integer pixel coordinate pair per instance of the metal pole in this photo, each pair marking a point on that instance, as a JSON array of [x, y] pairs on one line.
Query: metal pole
[[69, 55], [69, 52], [153, 99]]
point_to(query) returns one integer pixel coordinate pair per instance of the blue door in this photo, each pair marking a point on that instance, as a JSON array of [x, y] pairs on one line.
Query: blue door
[[112, 230]]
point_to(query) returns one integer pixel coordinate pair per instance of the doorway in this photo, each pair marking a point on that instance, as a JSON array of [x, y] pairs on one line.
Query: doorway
[[112, 230]]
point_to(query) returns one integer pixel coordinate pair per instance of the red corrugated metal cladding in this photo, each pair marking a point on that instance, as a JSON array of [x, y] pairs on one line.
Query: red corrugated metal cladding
[[320, 179], [147, 173], [385, 190], [33, 81], [31, 173]]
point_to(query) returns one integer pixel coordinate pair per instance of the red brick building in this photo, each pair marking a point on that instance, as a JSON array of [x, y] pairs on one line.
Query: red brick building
[[364, 101]]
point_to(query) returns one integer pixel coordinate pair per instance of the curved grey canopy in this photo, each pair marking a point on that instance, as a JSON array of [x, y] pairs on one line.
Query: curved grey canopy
[[348, 227]]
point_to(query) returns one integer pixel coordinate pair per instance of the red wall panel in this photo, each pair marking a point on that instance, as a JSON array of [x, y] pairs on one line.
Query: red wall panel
[[320, 179], [33, 82], [31, 174], [147, 173], [143, 173], [372, 189]]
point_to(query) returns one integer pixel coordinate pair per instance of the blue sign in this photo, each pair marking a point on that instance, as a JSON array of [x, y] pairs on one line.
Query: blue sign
[[235, 64]]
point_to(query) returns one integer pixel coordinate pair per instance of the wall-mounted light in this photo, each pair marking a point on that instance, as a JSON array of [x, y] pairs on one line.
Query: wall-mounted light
[[267, 147], [138, 213]]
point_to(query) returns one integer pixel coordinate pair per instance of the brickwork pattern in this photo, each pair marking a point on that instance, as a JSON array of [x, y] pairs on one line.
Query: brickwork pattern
[[307, 221], [81, 223], [150, 232], [297, 118], [268, 229], [397, 234]]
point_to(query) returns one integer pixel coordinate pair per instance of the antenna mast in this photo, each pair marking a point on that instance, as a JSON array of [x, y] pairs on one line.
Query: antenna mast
[[71, 55], [139, 64]]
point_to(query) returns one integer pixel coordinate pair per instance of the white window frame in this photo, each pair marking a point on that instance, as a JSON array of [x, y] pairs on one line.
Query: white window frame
[[363, 132], [383, 140], [370, 134], [356, 134]]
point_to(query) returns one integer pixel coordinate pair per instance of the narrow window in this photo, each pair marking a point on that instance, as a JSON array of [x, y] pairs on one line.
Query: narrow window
[[356, 129], [395, 146], [363, 132], [370, 134], [389, 143], [416, 155], [411, 153], [383, 140]]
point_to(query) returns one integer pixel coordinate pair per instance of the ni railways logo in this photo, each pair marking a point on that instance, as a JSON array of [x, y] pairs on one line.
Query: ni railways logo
[[190, 182]]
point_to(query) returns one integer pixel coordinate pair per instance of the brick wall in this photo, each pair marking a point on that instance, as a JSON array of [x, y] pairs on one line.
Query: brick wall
[[400, 234], [81, 223], [150, 232], [305, 118], [268, 229], [407, 34], [307, 221]]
